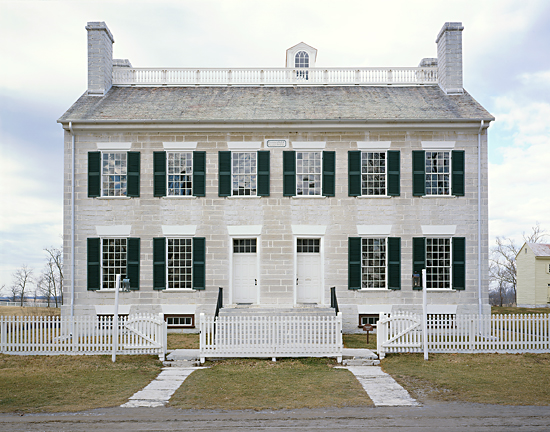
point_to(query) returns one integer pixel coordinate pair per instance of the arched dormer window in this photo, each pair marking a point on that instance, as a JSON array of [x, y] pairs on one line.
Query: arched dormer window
[[301, 60]]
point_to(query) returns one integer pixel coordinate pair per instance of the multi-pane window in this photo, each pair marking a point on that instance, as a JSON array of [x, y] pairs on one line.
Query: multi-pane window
[[180, 173], [243, 173], [179, 321], [308, 173], [308, 245], [438, 164], [373, 263], [438, 263], [113, 174], [373, 173], [369, 319], [301, 60], [244, 245], [113, 262], [180, 263]]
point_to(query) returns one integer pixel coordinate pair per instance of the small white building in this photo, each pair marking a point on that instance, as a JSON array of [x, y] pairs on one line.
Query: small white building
[[276, 184], [533, 275]]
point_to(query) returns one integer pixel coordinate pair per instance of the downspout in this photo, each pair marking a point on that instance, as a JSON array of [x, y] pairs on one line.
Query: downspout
[[479, 218], [72, 219]]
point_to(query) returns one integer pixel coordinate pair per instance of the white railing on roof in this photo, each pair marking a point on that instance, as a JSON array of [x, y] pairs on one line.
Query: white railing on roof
[[273, 76]]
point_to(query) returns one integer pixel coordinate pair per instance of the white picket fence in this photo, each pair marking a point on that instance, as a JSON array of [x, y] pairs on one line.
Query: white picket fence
[[513, 334], [271, 336], [137, 334]]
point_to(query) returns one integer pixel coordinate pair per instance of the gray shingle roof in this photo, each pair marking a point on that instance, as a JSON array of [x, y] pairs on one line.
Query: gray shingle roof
[[196, 104], [540, 249]]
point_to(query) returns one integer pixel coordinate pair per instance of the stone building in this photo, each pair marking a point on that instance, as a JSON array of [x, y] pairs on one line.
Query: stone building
[[276, 184]]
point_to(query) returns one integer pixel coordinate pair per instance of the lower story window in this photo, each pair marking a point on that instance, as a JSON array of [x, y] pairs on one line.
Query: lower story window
[[438, 263], [180, 321], [373, 263], [113, 261], [180, 263], [368, 319]]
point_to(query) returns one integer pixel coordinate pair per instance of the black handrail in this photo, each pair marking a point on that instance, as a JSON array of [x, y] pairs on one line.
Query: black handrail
[[334, 300], [219, 303]]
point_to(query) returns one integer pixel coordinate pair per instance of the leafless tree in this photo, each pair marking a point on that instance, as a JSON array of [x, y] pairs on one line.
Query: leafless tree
[[502, 263], [22, 279], [55, 266]]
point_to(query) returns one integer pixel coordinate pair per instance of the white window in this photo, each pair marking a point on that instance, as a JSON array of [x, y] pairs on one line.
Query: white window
[[373, 263], [438, 263], [301, 60], [180, 173], [180, 263], [113, 174], [243, 173], [438, 165], [308, 245], [244, 245], [180, 321], [308, 173], [113, 261], [373, 173]]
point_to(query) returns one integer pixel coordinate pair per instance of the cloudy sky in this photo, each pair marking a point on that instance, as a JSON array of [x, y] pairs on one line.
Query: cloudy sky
[[506, 46]]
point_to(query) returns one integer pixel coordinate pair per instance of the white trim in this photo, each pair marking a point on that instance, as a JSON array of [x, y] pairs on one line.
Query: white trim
[[309, 145], [114, 146], [244, 230], [441, 309], [309, 230], [178, 309], [244, 146], [374, 309], [178, 230], [110, 309], [373, 145], [113, 231], [438, 230], [373, 230], [175, 146], [438, 145]]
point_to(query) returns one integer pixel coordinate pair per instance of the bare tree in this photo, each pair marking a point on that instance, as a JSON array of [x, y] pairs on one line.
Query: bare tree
[[502, 263], [21, 282], [55, 265]]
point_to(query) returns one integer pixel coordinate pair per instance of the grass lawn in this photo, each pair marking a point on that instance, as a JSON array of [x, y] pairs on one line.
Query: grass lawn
[[71, 383], [359, 341], [182, 341], [506, 379], [518, 310], [263, 384], [29, 311]]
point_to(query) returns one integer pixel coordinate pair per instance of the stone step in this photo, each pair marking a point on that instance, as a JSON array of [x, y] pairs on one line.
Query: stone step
[[360, 362], [181, 363]]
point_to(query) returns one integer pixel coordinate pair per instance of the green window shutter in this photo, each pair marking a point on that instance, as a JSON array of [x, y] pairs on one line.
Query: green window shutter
[[394, 263], [199, 173], [289, 173], [133, 174], [94, 174], [459, 263], [394, 172], [159, 179], [199, 253], [224, 173], [329, 173], [132, 262], [94, 269], [419, 172], [159, 263], [354, 173], [354, 263], [263, 173], [419, 256], [457, 162]]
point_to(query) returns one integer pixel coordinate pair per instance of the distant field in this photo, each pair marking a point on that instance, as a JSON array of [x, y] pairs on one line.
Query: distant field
[[29, 311]]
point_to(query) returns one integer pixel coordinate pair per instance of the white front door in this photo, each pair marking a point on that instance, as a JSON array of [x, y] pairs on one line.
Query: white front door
[[245, 271], [308, 271]]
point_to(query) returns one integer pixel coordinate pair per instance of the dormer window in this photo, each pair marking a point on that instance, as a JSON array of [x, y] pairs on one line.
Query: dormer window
[[300, 57], [301, 60]]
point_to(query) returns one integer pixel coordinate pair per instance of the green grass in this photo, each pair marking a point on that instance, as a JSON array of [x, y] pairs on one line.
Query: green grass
[[182, 341], [359, 341], [507, 379], [507, 310], [263, 384], [71, 383]]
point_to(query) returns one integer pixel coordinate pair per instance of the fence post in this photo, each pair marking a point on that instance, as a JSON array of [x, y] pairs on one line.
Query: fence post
[[381, 336], [3, 331], [202, 337], [163, 339]]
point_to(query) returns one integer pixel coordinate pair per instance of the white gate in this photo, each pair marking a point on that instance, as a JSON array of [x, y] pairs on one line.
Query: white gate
[[399, 333]]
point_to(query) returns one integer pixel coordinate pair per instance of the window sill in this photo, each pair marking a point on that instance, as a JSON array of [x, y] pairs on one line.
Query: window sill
[[243, 196], [374, 196], [114, 198], [309, 196], [438, 196], [178, 197], [440, 290], [375, 289], [170, 290]]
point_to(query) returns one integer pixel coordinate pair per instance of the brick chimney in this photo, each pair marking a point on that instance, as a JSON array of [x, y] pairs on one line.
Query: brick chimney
[[449, 58], [100, 58]]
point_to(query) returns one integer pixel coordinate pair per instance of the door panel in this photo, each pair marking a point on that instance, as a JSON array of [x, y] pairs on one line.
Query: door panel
[[245, 274], [308, 278]]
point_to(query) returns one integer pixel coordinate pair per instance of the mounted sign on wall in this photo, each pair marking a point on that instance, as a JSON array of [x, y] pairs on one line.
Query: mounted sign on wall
[[276, 143]]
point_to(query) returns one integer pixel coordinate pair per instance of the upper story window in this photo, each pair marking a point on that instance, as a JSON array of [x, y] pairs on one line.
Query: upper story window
[[243, 173], [113, 174], [301, 59], [438, 169], [308, 173], [374, 173], [438, 172], [180, 173]]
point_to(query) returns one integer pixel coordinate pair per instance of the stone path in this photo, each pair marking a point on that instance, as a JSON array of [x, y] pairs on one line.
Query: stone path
[[160, 390], [381, 387]]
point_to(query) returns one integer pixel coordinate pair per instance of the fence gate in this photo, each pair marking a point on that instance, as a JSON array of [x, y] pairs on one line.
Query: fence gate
[[399, 333]]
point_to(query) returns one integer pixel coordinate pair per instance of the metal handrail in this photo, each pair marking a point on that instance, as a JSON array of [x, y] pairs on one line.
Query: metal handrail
[[334, 300], [219, 303]]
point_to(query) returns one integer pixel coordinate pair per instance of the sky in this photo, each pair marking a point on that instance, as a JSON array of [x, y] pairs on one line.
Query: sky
[[43, 52]]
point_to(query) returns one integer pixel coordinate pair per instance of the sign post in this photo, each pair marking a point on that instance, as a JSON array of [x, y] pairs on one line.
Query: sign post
[[424, 315]]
